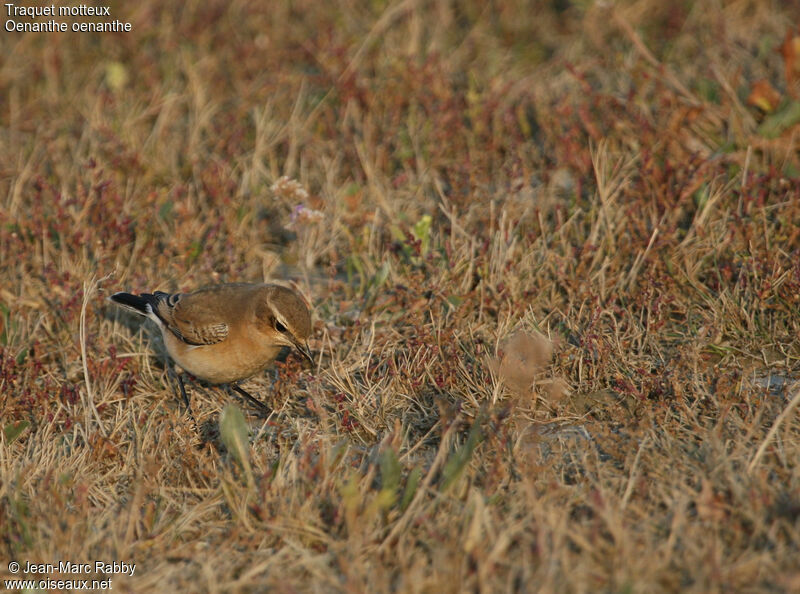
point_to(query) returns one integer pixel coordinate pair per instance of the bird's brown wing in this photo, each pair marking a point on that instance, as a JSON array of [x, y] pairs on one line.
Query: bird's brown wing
[[195, 319]]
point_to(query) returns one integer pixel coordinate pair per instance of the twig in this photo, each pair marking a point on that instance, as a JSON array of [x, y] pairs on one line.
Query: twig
[[89, 290], [634, 473], [643, 50]]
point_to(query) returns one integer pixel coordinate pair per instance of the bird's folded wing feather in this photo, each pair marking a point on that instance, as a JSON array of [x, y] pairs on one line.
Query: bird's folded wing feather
[[195, 321]]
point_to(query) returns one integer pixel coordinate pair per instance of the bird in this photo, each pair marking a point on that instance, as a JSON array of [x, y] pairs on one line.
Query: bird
[[226, 333]]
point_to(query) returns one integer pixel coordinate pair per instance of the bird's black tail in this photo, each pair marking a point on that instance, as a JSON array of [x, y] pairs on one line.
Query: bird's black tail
[[144, 304]]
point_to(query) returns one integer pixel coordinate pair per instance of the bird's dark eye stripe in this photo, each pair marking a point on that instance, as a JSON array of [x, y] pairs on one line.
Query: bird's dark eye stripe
[[280, 327]]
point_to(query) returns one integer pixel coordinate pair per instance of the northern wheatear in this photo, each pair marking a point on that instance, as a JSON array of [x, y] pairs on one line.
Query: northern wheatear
[[226, 333]]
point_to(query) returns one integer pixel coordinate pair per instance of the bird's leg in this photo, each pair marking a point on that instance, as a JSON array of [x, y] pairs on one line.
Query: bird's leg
[[184, 395], [255, 401]]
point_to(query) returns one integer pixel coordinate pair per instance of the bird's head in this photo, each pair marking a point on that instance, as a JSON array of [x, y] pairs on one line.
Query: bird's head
[[285, 317]]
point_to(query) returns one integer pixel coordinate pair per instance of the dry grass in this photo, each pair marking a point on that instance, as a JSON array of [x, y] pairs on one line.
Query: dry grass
[[554, 257]]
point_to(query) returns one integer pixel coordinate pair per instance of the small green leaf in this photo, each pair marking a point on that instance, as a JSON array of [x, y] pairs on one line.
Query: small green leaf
[[455, 301], [4, 324], [380, 276], [701, 196], [21, 514], [709, 90], [233, 430], [786, 116], [458, 461], [355, 271], [390, 476], [165, 211], [195, 249], [790, 171], [13, 430], [411, 487], [21, 356], [422, 232]]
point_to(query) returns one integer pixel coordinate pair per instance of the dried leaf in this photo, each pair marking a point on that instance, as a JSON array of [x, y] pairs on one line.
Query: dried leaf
[[524, 357], [764, 96], [556, 389], [790, 50]]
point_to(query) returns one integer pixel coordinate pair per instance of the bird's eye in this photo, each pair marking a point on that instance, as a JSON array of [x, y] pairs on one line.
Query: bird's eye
[[280, 327]]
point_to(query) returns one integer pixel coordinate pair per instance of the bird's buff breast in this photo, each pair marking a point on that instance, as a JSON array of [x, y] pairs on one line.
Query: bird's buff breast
[[222, 362]]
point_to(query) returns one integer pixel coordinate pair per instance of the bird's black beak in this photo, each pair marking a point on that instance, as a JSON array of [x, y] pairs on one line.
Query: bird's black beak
[[303, 350]]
